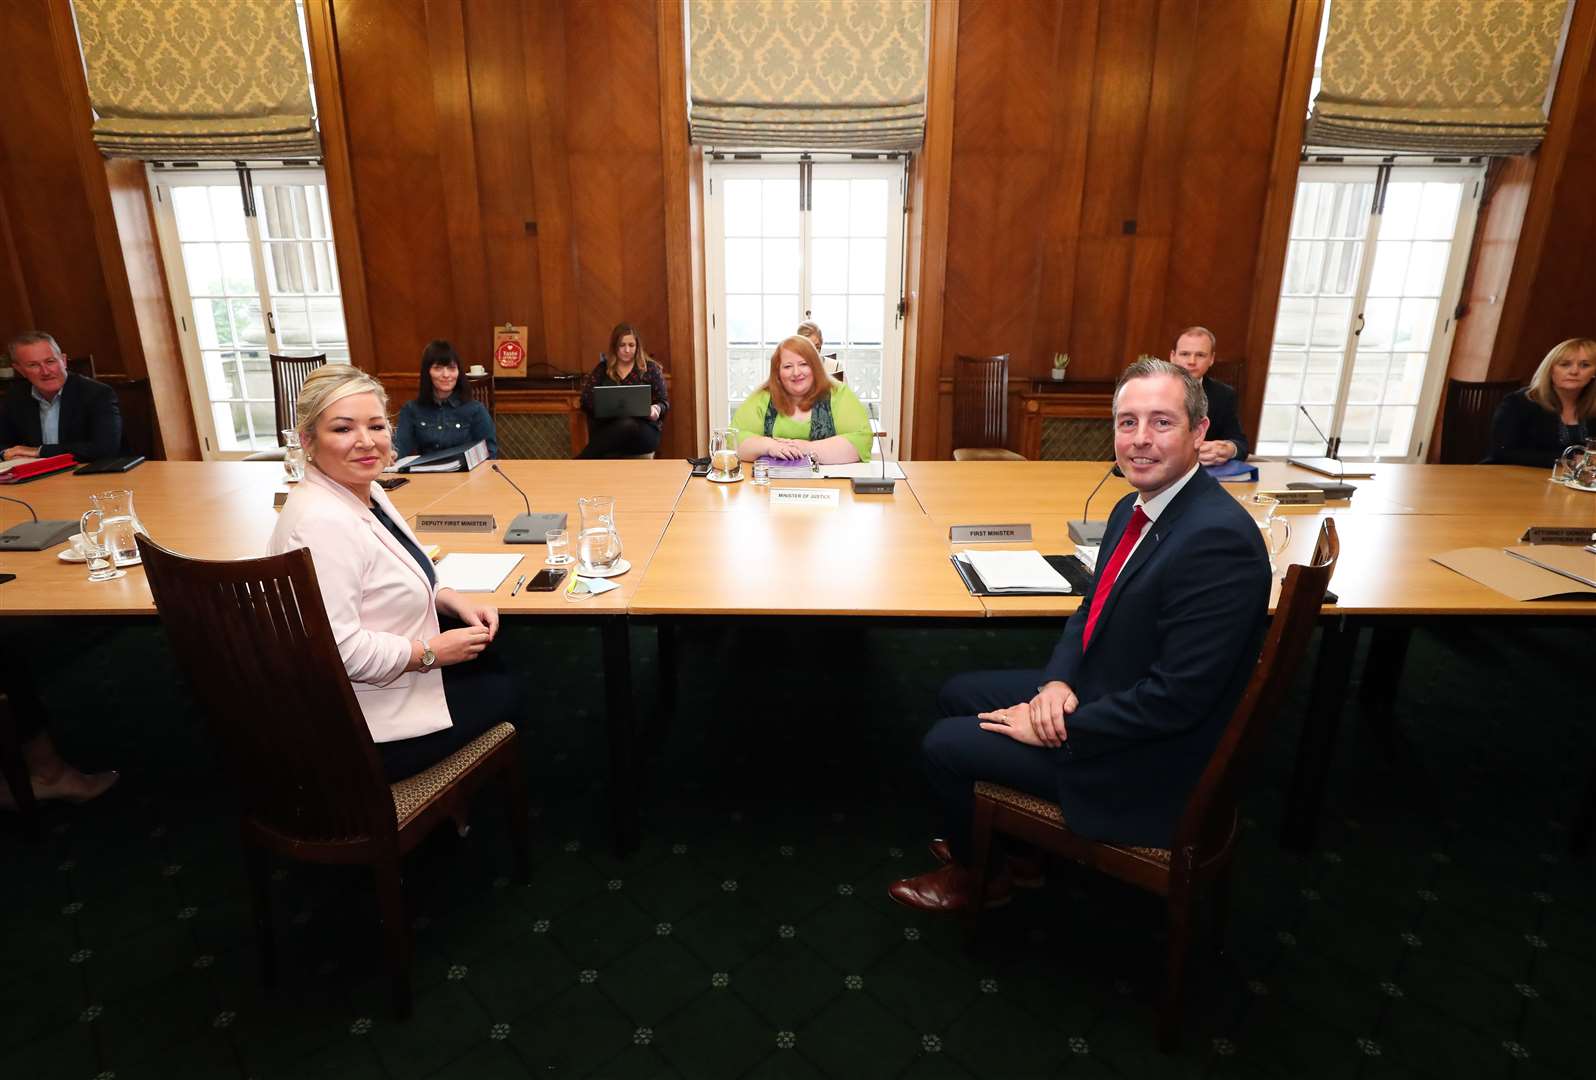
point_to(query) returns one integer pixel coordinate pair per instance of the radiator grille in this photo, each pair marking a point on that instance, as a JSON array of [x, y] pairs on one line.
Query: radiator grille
[[534, 435], [1071, 438]]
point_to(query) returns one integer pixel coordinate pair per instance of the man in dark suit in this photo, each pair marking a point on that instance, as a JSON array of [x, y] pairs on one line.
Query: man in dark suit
[[1194, 351], [50, 411], [1119, 725]]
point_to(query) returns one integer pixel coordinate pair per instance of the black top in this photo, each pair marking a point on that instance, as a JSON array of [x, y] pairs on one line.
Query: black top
[[90, 422], [1524, 433], [408, 544], [651, 376], [1223, 422]]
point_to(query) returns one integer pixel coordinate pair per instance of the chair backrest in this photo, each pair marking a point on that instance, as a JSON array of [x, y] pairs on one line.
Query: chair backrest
[[980, 401], [1210, 813], [253, 638], [480, 388], [1233, 373], [1466, 420], [81, 365], [288, 375]]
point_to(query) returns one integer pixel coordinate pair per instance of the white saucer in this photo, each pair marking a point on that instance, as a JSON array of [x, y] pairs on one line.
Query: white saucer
[[1578, 487], [621, 566], [713, 479], [71, 556]]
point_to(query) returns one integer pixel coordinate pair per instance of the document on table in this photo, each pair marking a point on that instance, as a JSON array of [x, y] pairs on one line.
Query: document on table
[[468, 572], [1015, 571], [865, 470]]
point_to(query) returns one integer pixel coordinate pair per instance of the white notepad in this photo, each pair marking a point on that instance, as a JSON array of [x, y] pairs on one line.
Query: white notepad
[[466, 572], [1015, 571]]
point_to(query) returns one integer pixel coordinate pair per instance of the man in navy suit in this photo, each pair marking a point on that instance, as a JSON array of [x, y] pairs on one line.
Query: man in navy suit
[[1194, 351], [1119, 725], [50, 411]]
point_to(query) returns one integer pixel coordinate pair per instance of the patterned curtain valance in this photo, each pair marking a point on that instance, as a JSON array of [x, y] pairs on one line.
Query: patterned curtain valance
[[197, 78], [807, 74], [1436, 76]]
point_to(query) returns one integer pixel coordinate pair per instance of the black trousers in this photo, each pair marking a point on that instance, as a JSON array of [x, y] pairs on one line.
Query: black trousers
[[625, 436], [21, 688], [481, 693], [956, 752]]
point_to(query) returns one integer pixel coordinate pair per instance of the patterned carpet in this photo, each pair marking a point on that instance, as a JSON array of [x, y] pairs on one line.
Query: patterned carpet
[[1440, 930]]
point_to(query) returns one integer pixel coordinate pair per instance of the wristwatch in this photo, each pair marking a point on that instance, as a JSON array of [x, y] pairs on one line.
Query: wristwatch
[[429, 659]]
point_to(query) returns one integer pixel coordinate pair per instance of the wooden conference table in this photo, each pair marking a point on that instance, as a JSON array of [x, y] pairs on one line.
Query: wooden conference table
[[699, 549]]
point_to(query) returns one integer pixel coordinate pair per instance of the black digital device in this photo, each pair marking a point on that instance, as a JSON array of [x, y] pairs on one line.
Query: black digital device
[[111, 465], [545, 580], [392, 483], [700, 466], [7, 577]]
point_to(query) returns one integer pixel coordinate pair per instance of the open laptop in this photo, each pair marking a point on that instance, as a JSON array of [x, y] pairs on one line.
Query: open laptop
[[610, 402]]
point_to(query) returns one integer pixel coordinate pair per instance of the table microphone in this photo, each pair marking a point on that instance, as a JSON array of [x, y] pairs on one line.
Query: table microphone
[[529, 528], [1339, 488], [1091, 532], [34, 535], [870, 485]]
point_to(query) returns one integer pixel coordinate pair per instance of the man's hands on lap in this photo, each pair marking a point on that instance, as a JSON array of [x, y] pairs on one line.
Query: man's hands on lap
[[1014, 721], [1052, 703], [1216, 452]]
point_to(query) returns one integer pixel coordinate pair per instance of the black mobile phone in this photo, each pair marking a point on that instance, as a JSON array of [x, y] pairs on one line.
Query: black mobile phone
[[390, 483], [545, 581]]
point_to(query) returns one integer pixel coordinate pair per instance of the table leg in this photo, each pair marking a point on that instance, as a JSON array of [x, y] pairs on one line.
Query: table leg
[[621, 717], [1337, 644]]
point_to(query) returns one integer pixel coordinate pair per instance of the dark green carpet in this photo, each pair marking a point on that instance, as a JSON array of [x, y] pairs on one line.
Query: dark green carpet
[[1441, 929]]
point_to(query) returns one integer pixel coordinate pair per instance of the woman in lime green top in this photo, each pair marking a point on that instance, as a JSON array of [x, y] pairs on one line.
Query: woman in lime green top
[[802, 410]]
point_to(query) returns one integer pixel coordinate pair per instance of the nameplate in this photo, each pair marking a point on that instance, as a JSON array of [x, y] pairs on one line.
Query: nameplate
[[278, 499], [1295, 496], [989, 534], [786, 496], [1571, 535], [472, 523]]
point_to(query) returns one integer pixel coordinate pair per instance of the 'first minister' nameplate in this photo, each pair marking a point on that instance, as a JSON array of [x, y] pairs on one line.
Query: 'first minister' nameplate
[[805, 496], [989, 534], [472, 523]]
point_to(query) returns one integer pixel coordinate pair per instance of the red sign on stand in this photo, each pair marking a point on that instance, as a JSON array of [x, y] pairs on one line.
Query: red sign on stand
[[509, 351]]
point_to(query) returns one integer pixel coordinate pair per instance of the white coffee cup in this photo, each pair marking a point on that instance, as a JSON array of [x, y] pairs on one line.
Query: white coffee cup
[[476, 371]]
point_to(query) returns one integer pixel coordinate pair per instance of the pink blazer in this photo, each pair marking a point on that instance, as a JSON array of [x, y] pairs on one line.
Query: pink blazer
[[378, 602]]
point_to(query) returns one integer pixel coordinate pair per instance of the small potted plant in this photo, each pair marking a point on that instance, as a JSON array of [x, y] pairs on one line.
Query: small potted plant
[[1061, 365]]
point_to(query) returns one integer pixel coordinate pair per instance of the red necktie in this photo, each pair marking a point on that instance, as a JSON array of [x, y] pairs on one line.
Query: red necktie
[[1105, 583]]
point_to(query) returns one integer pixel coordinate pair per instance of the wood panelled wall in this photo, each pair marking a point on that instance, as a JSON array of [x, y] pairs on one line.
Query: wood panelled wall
[[1109, 167], [507, 166]]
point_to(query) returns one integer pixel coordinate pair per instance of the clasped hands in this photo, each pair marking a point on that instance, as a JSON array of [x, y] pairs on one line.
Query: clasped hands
[[466, 642], [787, 449], [1038, 722]]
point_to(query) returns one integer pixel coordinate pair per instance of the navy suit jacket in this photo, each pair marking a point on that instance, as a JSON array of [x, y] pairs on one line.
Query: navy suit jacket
[[1170, 656], [91, 423], [1223, 420]]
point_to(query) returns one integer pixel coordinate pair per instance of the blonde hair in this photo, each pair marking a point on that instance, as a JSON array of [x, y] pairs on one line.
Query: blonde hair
[[822, 383], [325, 385], [1541, 391], [811, 330]]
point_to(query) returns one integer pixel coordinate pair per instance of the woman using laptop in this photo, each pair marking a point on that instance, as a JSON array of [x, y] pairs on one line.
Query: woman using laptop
[[802, 410], [1533, 426], [413, 651], [626, 364], [442, 416]]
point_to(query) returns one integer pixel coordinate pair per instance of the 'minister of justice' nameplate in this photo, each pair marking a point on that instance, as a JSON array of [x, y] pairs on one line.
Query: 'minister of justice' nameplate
[[787, 496], [989, 534], [476, 523]]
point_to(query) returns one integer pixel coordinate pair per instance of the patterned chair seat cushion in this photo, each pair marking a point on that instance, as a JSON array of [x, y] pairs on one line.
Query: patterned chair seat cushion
[[986, 453], [412, 794], [1044, 810]]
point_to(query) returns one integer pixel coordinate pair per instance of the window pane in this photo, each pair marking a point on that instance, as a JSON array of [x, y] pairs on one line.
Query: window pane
[[780, 208], [221, 375], [829, 274], [227, 208], [327, 323], [781, 315], [233, 426], [257, 377], [830, 313], [220, 316], [781, 266], [864, 320], [1291, 323], [263, 417], [1390, 268], [293, 322], [1368, 378], [192, 208], [1330, 322], [247, 323], [1437, 218], [741, 206], [868, 210], [1285, 378], [1414, 324], [1401, 214], [742, 318], [1405, 379], [1323, 378], [1341, 267], [742, 265], [1379, 324], [1304, 267], [205, 324], [1395, 431], [203, 268], [238, 270], [1427, 269], [1306, 439], [282, 268], [867, 266], [1357, 428], [829, 208], [1274, 424]]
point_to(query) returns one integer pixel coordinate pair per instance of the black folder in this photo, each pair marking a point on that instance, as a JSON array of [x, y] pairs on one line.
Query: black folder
[[1071, 568]]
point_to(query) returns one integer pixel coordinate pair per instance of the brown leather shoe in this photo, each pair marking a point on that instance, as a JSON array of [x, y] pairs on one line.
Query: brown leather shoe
[[948, 888], [1029, 871]]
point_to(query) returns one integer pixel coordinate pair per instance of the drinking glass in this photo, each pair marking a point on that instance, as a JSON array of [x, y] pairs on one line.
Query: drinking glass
[[559, 545], [1276, 530], [293, 456], [97, 548], [761, 473]]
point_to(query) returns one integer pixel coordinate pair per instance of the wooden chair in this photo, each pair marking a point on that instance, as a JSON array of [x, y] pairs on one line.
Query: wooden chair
[[288, 375], [1205, 839], [81, 365], [480, 388], [253, 637], [981, 409], [1233, 373], [1466, 420], [15, 771]]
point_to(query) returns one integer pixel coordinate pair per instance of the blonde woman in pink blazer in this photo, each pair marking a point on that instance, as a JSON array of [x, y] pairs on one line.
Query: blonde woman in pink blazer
[[414, 652]]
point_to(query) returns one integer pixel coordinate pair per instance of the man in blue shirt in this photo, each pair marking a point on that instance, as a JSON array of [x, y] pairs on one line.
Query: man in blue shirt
[[50, 411]]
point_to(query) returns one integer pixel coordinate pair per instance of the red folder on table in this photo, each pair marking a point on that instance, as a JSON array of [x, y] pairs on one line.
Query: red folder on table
[[31, 469]]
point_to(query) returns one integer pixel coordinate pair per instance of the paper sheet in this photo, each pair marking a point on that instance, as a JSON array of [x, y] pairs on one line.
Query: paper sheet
[[862, 469], [1015, 571], [466, 572]]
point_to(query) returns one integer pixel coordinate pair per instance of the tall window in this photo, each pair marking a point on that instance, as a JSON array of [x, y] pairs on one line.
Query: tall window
[[795, 241], [248, 279], [1361, 344]]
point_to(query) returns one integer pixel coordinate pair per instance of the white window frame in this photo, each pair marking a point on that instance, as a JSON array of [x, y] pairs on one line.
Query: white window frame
[[895, 172]]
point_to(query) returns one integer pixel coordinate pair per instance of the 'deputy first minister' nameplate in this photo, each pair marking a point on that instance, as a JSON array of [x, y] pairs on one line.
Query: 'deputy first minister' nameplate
[[989, 534], [479, 523], [805, 496]]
